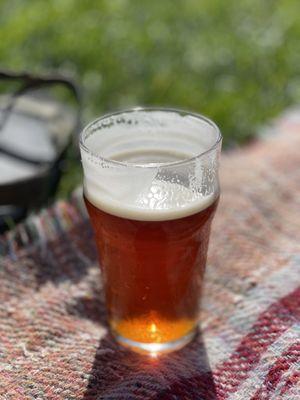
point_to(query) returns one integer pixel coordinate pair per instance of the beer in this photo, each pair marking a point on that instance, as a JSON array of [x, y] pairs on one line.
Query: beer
[[151, 190], [153, 272]]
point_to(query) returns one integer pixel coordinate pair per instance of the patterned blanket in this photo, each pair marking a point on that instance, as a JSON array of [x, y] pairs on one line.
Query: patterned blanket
[[54, 342]]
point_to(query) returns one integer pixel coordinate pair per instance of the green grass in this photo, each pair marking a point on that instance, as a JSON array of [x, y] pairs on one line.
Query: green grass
[[236, 62]]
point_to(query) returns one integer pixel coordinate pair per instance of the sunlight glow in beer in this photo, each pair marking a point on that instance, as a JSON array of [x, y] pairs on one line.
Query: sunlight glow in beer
[[153, 328]]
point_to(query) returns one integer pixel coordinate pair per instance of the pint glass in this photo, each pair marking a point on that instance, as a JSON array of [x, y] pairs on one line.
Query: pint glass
[[151, 189]]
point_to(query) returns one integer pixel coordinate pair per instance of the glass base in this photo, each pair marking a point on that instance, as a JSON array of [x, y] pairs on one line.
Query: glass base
[[154, 349]]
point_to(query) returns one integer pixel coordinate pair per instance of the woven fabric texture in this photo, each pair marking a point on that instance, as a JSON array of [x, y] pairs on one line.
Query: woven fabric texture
[[54, 342]]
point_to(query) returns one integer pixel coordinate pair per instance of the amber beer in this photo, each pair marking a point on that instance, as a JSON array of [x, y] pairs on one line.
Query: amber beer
[[151, 189], [153, 272]]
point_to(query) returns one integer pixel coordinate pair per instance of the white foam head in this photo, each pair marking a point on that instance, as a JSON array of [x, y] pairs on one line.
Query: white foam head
[[151, 164]]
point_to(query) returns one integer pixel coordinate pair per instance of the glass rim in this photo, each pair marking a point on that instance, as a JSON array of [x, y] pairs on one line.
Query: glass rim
[[179, 111]]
